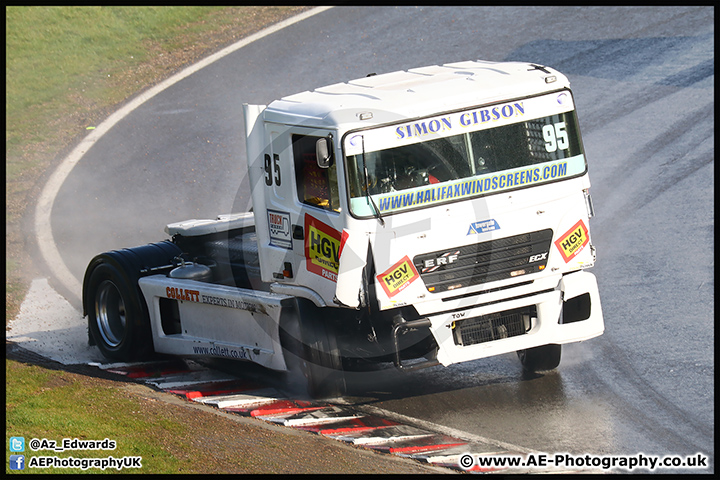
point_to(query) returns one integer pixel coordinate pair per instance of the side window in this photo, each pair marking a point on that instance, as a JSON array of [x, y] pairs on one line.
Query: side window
[[316, 186]]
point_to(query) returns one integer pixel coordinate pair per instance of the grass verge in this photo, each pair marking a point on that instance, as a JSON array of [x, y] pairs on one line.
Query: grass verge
[[47, 404], [171, 437]]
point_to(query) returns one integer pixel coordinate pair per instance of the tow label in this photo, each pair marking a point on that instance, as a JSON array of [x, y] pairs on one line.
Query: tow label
[[573, 241], [398, 277]]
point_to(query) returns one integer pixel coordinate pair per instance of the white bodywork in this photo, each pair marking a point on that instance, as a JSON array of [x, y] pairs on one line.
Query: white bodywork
[[326, 249], [217, 321]]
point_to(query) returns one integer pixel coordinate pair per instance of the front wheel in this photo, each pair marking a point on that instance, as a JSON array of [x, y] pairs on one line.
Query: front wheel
[[539, 359], [117, 320], [311, 351]]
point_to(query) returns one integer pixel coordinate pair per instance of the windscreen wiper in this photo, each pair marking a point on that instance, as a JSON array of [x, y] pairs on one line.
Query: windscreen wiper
[[367, 185]]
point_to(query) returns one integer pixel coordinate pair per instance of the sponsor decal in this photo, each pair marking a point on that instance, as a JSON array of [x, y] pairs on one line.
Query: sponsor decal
[[210, 349], [279, 226], [473, 118], [483, 227], [231, 303], [449, 124], [182, 294], [200, 297], [398, 277], [573, 241], [490, 183], [322, 248]]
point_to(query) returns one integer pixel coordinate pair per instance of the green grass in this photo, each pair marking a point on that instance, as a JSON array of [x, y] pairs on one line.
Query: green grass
[[46, 404], [59, 59]]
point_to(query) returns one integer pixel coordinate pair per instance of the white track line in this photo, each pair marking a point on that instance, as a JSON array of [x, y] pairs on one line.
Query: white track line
[[43, 229], [434, 427]]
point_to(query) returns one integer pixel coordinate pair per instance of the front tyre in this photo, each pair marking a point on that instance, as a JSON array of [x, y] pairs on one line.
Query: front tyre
[[311, 351], [540, 359], [117, 318]]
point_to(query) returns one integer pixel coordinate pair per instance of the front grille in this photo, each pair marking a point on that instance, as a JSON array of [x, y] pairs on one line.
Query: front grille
[[495, 326], [484, 262]]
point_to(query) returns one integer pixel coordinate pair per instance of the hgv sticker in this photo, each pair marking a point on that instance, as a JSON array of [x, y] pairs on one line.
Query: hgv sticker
[[322, 248], [398, 277], [573, 241]]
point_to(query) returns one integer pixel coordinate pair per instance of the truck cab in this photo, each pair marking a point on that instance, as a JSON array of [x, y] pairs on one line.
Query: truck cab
[[455, 193], [423, 217]]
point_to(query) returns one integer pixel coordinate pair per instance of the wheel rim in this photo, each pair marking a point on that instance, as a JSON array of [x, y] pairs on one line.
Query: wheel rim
[[110, 314]]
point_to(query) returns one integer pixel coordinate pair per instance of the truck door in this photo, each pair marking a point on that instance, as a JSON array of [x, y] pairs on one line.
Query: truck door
[[303, 205]]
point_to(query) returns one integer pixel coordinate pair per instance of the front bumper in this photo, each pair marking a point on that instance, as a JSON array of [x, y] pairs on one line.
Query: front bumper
[[569, 312]]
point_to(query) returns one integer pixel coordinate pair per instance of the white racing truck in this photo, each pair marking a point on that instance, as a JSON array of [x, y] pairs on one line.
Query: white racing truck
[[430, 216]]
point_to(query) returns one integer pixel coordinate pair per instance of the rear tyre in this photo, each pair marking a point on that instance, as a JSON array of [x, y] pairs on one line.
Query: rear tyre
[[311, 352], [117, 318], [540, 359]]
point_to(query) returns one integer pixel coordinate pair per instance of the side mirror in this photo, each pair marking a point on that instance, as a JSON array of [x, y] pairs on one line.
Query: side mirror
[[323, 152]]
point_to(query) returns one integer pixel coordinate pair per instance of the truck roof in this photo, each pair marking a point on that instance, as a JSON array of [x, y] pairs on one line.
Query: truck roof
[[413, 93]]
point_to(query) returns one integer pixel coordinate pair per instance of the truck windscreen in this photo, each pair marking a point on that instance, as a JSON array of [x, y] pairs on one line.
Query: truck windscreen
[[464, 154]]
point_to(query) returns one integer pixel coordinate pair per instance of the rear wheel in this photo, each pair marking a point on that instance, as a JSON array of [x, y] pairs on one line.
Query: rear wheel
[[542, 358], [117, 318], [311, 351]]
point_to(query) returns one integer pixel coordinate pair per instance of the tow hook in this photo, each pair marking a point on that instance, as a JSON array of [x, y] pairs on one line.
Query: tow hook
[[402, 325]]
